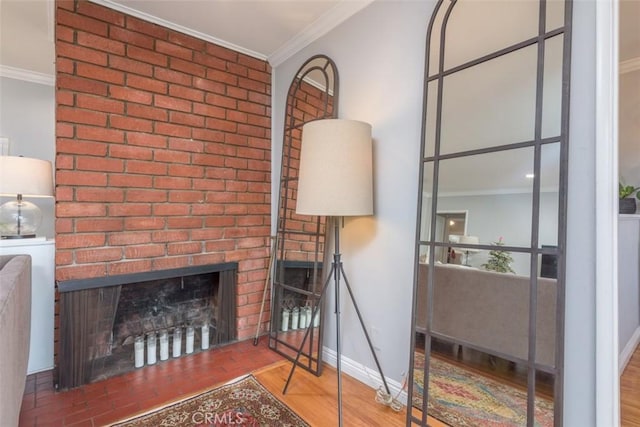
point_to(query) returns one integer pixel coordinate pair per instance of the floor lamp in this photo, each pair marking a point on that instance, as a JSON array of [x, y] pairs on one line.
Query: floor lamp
[[335, 180]]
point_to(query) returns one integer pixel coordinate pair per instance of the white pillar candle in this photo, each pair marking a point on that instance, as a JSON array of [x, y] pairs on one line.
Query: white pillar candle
[[284, 324], [308, 310], [151, 349], [302, 321], [316, 318], [189, 346], [177, 342], [138, 349], [295, 316], [204, 342], [164, 345]]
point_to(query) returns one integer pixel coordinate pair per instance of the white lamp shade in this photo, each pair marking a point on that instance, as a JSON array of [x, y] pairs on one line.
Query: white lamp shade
[[454, 238], [335, 176], [26, 176], [470, 240]]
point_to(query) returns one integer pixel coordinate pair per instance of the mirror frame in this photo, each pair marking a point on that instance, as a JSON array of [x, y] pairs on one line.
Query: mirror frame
[[418, 415], [293, 122]]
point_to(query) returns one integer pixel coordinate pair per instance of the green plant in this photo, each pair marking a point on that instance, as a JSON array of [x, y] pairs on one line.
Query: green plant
[[625, 191], [499, 260]]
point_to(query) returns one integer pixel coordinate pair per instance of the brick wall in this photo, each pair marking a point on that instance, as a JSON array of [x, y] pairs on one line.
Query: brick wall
[[163, 152]]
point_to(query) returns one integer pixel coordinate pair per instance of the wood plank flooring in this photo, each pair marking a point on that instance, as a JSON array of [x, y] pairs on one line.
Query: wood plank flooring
[[630, 392], [103, 402], [315, 398], [100, 403]]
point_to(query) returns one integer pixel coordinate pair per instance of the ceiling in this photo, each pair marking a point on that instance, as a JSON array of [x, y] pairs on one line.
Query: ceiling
[[267, 29], [272, 30]]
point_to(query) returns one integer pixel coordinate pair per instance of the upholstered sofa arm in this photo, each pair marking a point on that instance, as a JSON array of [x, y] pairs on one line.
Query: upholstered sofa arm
[[15, 326]]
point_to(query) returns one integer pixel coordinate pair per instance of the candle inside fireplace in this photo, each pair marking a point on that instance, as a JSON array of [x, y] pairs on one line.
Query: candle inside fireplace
[[295, 316], [204, 343], [303, 318], [316, 318], [151, 349], [164, 345], [189, 346], [138, 348], [177, 342]]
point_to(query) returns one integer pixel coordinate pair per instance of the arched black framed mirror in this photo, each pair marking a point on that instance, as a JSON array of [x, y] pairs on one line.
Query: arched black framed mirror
[[300, 239], [488, 310]]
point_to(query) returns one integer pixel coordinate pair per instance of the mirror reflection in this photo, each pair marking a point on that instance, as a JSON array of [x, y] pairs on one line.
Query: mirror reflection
[[300, 239], [552, 91], [516, 21], [487, 333], [508, 85]]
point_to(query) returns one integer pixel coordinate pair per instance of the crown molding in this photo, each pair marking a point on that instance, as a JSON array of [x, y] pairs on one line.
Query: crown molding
[[173, 26], [629, 65], [321, 26], [492, 192], [27, 75]]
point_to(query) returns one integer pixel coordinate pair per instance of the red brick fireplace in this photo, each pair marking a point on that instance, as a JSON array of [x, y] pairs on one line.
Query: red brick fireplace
[[163, 153]]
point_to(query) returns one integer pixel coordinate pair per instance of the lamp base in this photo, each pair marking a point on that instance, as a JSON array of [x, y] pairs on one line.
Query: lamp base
[[17, 236], [19, 219]]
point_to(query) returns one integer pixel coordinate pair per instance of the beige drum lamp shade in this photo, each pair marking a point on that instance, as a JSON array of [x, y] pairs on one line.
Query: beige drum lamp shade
[[336, 176]]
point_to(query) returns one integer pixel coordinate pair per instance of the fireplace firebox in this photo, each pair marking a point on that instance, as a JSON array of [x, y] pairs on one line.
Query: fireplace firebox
[[100, 319]]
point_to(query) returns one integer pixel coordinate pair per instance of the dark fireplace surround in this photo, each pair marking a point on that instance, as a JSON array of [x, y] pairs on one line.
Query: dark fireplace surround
[[99, 317]]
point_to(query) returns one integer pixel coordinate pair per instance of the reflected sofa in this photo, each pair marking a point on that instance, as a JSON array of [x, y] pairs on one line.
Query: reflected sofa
[[15, 327], [488, 311]]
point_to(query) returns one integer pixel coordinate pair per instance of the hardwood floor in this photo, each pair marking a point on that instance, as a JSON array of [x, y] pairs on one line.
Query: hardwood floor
[[315, 398], [113, 399], [630, 392], [100, 403]]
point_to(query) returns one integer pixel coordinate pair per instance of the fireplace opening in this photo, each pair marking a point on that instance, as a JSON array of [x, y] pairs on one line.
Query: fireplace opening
[[109, 326], [157, 307]]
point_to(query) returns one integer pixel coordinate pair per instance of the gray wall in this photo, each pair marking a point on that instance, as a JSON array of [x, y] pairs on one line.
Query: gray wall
[[381, 83], [509, 216], [379, 54], [27, 118], [629, 279], [580, 308]]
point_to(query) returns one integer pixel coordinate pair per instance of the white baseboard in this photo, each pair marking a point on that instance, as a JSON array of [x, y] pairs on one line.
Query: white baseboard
[[627, 351], [364, 374]]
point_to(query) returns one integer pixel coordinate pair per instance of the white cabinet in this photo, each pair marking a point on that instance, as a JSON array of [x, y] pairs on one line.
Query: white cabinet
[[42, 253]]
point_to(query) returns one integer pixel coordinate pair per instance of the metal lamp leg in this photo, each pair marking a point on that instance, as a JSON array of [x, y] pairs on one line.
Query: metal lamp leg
[[337, 271]]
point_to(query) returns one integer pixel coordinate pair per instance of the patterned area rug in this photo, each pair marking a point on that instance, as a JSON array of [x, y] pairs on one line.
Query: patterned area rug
[[244, 402], [462, 398]]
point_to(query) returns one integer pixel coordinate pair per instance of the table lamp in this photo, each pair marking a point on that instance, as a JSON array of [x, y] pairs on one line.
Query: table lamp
[[23, 177]]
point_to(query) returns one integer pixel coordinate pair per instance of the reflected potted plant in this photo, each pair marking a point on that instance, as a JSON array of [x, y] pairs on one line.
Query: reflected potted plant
[[499, 260], [627, 203]]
